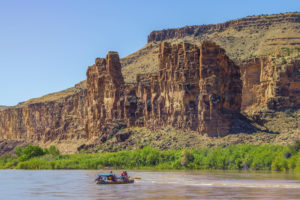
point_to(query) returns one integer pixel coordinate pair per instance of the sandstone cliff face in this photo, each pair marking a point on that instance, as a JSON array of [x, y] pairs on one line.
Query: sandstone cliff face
[[105, 86], [45, 122], [268, 84], [220, 89], [197, 88]]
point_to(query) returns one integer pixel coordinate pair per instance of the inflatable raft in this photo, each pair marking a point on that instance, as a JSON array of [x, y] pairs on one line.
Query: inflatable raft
[[112, 179]]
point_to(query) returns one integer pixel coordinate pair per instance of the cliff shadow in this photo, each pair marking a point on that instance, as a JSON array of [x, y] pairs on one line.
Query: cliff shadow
[[243, 124]]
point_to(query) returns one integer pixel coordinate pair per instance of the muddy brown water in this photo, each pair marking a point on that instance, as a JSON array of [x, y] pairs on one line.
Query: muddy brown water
[[79, 184]]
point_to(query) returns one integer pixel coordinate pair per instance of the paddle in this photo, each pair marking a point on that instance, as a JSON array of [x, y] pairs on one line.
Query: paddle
[[138, 178]]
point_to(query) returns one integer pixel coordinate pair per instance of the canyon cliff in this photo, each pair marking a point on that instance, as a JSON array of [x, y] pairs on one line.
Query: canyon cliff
[[179, 80], [197, 88], [268, 84], [49, 121]]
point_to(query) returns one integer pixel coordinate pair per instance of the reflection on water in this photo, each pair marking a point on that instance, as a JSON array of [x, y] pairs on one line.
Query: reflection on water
[[75, 184]]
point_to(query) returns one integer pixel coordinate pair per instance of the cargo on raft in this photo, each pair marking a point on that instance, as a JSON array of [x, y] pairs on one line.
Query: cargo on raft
[[113, 179]]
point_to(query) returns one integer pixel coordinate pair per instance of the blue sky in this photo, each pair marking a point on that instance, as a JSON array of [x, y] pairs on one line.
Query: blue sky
[[47, 45]]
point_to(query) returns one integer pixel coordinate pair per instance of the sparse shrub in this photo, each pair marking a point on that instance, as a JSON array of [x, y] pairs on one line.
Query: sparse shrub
[[288, 112], [288, 52], [283, 61]]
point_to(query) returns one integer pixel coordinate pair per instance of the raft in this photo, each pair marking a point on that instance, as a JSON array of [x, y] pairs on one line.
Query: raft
[[116, 182], [112, 179]]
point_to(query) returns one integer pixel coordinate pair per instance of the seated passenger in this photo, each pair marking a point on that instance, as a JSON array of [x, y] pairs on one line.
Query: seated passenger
[[122, 175], [125, 175]]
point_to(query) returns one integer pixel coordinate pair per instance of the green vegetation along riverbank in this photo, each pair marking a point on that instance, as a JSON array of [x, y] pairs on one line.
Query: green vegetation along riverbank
[[233, 157]]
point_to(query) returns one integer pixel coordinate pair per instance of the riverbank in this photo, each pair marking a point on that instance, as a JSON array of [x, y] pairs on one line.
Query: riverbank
[[233, 157]]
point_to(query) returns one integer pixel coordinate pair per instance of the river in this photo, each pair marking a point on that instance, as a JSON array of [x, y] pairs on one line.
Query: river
[[79, 184]]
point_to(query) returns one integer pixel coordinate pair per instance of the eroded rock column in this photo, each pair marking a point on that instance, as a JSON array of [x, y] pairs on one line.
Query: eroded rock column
[[105, 87], [220, 91]]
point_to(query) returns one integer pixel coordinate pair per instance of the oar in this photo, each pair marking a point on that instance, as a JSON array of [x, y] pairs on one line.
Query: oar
[[138, 178]]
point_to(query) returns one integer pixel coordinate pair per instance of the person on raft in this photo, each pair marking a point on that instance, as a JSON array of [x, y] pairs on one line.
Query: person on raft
[[112, 177], [124, 176]]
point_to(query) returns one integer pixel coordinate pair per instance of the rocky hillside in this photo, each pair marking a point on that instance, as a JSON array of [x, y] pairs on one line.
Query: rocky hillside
[[181, 81], [269, 42], [242, 39]]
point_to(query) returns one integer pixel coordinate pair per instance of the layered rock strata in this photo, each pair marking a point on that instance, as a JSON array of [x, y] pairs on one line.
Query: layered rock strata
[[105, 87], [257, 22], [197, 88], [48, 121], [269, 84]]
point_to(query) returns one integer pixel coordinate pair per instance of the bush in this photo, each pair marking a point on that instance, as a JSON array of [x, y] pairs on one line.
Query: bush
[[283, 61], [280, 164], [18, 151], [187, 157], [29, 152], [288, 112], [52, 150], [296, 146]]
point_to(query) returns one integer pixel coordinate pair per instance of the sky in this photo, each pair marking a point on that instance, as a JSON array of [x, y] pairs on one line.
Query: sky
[[47, 45]]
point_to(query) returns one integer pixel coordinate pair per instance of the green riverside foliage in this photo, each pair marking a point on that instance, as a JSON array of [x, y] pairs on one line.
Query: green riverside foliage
[[52, 151], [234, 157], [29, 152]]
